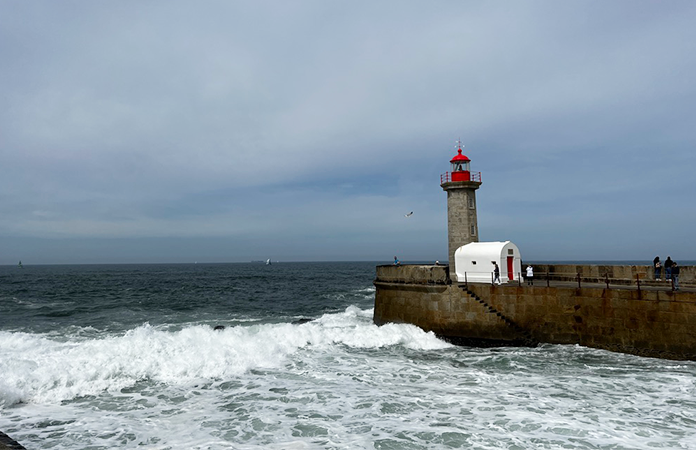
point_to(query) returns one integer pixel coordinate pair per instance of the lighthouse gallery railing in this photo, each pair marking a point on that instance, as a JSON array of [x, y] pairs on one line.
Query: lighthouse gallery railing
[[447, 177]]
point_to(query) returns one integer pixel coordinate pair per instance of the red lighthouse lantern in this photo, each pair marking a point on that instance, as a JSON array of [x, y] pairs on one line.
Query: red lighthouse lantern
[[460, 166], [459, 170]]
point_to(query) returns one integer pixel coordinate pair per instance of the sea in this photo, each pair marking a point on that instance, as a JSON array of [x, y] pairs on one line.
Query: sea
[[127, 356]]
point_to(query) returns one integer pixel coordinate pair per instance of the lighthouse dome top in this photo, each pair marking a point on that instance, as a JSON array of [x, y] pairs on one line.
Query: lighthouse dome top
[[459, 156]]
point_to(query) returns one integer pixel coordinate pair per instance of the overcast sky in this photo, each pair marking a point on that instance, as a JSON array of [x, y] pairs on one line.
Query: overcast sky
[[225, 131]]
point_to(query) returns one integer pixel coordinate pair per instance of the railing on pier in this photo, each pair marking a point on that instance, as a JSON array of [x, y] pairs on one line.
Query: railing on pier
[[570, 277]]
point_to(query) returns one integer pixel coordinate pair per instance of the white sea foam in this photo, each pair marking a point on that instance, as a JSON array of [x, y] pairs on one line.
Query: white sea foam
[[37, 369]]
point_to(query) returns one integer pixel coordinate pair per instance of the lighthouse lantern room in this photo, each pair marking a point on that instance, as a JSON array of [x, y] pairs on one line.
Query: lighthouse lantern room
[[460, 167]]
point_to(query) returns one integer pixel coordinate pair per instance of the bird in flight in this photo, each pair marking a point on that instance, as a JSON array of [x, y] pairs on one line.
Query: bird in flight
[[409, 214]]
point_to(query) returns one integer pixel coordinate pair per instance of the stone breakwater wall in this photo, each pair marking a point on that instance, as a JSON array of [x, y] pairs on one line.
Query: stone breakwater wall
[[656, 323], [414, 273]]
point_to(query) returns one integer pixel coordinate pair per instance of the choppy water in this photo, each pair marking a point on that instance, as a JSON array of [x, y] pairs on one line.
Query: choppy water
[[103, 357]]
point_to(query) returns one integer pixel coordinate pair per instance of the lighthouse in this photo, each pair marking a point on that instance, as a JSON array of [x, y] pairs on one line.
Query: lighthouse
[[460, 184]]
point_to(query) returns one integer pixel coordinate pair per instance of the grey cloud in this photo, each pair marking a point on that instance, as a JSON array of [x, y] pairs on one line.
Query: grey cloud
[[125, 119]]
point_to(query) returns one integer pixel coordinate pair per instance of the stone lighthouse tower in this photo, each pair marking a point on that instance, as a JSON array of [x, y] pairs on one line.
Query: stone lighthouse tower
[[460, 184]]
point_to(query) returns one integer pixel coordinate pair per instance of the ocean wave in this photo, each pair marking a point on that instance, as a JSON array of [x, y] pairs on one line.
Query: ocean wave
[[38, 369]]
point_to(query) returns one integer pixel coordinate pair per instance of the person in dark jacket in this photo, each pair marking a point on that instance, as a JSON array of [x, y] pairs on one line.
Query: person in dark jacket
[[658, 267], [668, 268], [675, 275]]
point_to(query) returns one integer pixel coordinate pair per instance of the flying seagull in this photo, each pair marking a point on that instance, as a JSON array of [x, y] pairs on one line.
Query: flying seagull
[[409, 214]]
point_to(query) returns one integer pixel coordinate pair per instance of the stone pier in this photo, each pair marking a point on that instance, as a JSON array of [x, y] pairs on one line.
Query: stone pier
[[651, 321]]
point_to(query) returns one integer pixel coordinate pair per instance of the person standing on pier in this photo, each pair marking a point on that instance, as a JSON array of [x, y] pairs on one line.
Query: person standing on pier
[[496, 273], [530, 275], [658, 267], [668, 268]]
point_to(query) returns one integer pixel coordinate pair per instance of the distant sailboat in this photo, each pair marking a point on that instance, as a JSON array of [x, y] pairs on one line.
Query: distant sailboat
[[268, 262], [20, 265]]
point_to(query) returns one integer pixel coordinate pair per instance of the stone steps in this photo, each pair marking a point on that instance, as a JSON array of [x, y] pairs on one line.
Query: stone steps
[[528, 338]]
